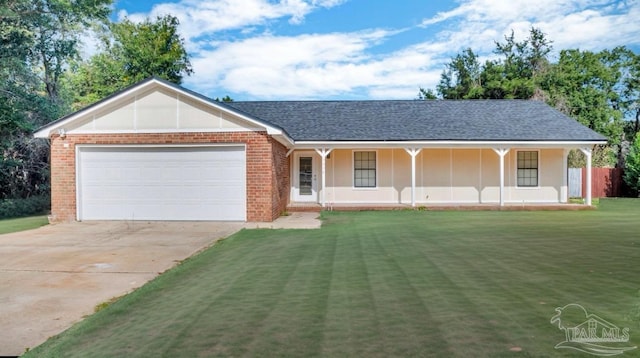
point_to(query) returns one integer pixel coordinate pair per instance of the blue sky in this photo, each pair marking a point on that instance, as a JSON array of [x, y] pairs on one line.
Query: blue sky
[[366, 49]]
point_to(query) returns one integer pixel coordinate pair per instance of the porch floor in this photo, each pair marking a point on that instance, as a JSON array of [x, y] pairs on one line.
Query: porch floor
[[315, 207]]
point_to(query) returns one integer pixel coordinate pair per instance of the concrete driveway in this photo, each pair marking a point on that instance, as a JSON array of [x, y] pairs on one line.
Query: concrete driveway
[[52, 277]]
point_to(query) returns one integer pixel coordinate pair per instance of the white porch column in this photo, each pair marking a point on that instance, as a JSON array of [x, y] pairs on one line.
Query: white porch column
[[564, 190], [501, 152], [413, 152], [587, 153], [323, 152]]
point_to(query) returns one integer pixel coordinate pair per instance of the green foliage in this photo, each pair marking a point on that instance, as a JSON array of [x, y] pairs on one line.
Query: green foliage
[[461, 78], [601, 157], [38, 39], [597, 89], [13, 208], [426, 94], [630, 100], [514, 74], [57, 26], [583, 85], [131, 53], [632, 169], [151, 48], [224, 99]]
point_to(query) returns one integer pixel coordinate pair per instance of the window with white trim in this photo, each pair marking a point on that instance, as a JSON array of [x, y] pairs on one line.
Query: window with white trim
[[364, 169], [528, 168]]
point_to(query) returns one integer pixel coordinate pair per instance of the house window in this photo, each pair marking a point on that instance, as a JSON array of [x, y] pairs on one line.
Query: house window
[[364, 169], [528, 168]]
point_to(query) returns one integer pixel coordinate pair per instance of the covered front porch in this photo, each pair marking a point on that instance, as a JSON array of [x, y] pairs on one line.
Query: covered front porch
[[409, 175]]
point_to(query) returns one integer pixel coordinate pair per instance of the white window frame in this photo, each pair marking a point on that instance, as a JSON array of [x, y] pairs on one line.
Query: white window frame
[[353, 170]]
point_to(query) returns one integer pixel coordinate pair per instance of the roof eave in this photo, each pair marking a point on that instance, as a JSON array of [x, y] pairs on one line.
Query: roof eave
[[451, 143]]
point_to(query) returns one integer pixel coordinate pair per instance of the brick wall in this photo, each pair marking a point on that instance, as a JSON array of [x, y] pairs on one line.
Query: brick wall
[[280, 172], [267, 190]]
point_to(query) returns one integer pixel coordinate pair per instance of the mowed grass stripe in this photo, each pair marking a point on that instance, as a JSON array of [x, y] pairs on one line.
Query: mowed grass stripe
[[485, 289], [253, 302], [295, 325], [352, 327], [444, 287], [380, 284]]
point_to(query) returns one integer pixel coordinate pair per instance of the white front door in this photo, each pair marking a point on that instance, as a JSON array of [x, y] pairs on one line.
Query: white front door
[[305, 180]]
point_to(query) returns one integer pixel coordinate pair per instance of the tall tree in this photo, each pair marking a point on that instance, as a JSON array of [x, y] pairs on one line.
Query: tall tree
[[630, 99], [38, 39], [57, 27], [132, 52], [583, 85], [515, 73], [520, 65], [461, 77]]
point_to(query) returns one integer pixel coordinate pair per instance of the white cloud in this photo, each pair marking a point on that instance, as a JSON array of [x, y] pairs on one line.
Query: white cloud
[[263, 64], [588, 24], [306, 66], [200, 18]]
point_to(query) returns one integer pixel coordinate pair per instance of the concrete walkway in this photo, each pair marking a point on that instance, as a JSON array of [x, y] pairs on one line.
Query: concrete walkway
[[301, 220]]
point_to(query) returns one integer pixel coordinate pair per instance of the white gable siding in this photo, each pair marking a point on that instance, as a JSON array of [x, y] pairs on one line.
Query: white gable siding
[[158, 110]]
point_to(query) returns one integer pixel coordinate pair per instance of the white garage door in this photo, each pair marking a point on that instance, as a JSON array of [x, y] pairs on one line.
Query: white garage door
[[162, 183]]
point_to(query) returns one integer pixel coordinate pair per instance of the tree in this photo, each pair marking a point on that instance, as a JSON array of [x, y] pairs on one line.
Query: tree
[[424, 94], [632, 169], [521, 64], [224, 99], [597, 89], [38, 39], [515, 74], [151, 48], [57, 26], [630, 102], [131, 53], [583, 85], [461, 77]]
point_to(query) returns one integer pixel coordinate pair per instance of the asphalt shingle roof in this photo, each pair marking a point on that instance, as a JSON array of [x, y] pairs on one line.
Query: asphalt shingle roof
[[414, 120]]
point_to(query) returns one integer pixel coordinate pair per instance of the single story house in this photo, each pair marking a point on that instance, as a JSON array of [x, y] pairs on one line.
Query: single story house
[[157, 151]]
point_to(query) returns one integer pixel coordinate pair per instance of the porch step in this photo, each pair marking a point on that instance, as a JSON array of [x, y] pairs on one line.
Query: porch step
[[304, 208]]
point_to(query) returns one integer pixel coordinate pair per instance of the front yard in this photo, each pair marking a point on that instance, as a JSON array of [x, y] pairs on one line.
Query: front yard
[[21, 224], [400, 283]]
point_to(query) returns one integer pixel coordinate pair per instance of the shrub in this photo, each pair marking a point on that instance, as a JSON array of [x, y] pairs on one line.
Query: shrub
[[632, 167], [13, 208]]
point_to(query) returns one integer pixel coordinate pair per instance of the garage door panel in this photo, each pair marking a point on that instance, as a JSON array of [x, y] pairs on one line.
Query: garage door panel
[[149, 183]]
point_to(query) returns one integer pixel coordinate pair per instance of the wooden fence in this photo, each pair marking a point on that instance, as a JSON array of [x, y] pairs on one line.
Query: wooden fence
[[605, 182]]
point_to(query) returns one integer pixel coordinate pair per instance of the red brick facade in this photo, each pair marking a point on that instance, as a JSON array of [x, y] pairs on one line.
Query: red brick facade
[[267, 168]]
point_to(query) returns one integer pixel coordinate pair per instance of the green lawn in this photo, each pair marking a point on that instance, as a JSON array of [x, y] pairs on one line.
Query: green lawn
[[21, 224], [381, 284]]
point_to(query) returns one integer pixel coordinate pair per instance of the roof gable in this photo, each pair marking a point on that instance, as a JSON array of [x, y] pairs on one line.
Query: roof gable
[[152, 106]]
